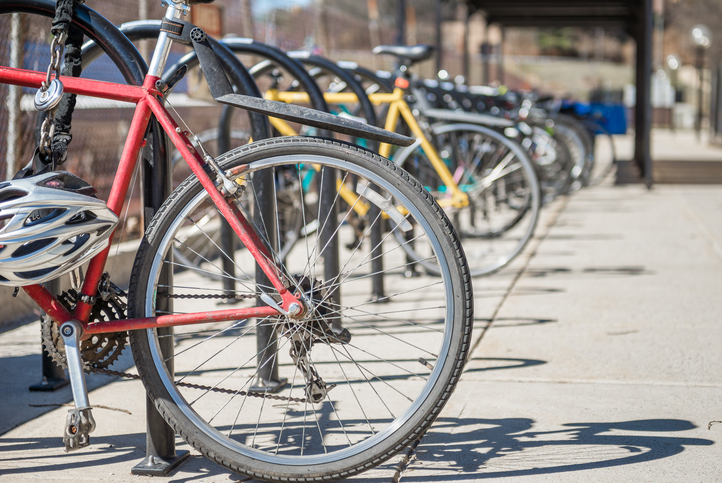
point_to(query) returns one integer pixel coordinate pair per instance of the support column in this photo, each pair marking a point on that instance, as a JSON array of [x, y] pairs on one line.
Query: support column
[[643, 108]]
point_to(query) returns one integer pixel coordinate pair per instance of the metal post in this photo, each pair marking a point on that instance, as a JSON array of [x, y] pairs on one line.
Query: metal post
[[327, 236], [227, 241], [643, 109], [53, 375], [264, 217], [13, 99], [401, 21], [378, 293], [160, 454], [439, 39], [699, 64]]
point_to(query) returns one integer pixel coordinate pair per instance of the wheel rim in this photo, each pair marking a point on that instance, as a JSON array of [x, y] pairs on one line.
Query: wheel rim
[[354, 448]]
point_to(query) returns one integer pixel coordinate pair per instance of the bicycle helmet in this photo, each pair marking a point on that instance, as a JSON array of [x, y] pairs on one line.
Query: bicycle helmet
[[49, 224]]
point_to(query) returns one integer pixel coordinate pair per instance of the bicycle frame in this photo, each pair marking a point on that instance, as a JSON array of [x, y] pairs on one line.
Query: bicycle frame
[[398, 108], [148, 103]]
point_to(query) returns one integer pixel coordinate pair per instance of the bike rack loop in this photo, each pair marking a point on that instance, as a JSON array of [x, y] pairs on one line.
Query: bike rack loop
[[161, 457], [268, 378], [248, 46], [308, 83], [376, 238]]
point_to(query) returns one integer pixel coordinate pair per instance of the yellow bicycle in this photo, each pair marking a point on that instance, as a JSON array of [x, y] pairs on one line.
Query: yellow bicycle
[[485, 182]]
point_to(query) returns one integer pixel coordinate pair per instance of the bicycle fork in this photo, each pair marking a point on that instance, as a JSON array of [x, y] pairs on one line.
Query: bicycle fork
[[79, 423]]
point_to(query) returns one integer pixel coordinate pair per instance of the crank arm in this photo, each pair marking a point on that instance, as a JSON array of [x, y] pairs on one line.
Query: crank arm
[[79, 423]]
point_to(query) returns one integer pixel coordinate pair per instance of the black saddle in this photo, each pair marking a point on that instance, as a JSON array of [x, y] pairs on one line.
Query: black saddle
[[413, 53]]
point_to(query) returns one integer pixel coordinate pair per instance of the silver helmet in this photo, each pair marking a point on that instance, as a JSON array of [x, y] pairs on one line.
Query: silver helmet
[[49, 225]]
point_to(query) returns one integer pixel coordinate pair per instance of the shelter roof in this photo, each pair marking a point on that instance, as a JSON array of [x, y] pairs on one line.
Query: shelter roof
[[622, 14]]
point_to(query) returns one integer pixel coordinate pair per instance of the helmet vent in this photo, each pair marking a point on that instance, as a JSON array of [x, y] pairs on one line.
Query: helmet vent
[[77, 242], [32, 247], [11, 194], [68, 182], [33, 274], [81, 217], [43, 215]]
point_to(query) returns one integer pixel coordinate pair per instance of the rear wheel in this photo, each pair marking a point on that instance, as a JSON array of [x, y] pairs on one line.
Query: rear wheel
[[503, 190], [352, 382]]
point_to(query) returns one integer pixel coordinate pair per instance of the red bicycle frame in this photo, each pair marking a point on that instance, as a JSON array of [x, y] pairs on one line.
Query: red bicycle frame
[[147, 100]]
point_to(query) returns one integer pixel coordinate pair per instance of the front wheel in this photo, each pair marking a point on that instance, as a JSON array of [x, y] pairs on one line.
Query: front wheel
[[355, 380]]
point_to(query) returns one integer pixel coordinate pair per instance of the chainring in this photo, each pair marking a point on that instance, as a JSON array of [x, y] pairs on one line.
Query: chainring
[[101, 350]]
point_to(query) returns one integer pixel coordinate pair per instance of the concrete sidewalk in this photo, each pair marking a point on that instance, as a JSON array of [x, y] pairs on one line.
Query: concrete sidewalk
[[597, 358]]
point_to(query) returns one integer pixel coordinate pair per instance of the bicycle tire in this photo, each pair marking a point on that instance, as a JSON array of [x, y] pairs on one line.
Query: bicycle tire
[[553, 161], [580, 146], [403, 367], [502, 216]]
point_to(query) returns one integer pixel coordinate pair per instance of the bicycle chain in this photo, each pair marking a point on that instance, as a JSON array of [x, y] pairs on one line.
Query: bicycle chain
[[127, 375], [237, 296], [109, 372], [222, 390]]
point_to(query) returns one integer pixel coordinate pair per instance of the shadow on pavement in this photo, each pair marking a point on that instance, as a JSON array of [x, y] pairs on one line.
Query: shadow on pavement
[[474, 449], [608, 271], [107, 455], [34, 454]]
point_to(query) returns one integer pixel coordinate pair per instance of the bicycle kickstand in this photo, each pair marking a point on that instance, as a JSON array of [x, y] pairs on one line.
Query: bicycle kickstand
[[80, 422]]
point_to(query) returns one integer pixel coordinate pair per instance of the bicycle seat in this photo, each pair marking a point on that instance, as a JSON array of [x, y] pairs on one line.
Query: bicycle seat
[[413, 53], [196, 2]]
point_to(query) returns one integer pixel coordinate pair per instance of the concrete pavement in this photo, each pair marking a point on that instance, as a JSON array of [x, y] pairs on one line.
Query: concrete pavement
[[597, 358]]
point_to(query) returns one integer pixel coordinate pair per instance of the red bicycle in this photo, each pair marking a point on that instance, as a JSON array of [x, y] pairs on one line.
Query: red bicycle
[[295, 375]]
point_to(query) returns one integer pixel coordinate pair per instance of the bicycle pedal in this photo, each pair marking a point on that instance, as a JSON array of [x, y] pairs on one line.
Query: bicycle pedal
[[78, 426]]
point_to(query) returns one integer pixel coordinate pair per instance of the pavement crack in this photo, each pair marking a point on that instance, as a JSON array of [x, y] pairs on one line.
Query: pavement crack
[[408, 458], [532, 251]]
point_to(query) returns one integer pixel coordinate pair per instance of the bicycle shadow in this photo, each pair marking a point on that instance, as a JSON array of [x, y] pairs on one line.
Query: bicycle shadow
[[475, 448], [601, 271], [107, 455]]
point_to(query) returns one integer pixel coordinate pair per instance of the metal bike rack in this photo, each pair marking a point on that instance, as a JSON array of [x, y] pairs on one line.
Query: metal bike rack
[[268, 378], [161, 456], [311, 88], [377, 267], [249, 46]]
